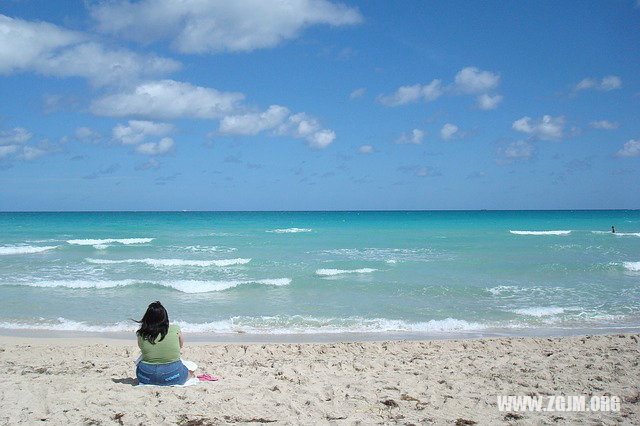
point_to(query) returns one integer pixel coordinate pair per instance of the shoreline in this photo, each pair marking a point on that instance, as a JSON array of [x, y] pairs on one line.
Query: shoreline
[[292, 338], [73, 380]]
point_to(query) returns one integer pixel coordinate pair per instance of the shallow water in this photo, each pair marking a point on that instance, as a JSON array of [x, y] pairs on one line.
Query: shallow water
[[449, 273]]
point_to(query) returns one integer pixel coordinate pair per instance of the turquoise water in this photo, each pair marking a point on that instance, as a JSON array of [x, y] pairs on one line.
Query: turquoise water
[[323, 272]]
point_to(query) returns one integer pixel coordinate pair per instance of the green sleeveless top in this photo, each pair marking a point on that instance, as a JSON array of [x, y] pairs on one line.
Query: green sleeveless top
[[161, 352]]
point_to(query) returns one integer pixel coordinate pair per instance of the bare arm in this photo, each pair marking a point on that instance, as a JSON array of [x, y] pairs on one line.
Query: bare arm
[[180, 337]]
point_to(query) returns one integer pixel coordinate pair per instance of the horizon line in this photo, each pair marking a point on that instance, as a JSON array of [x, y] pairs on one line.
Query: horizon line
[[311, 211]]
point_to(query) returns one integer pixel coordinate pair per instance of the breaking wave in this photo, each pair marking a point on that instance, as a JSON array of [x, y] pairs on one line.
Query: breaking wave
[[331, 272], [540, 232], [538, 311], [104, 242], [290, 230], [159, 263], [63, 324], [617, 234], [295, 324], [632, 266], [24, 249], [184, 286]]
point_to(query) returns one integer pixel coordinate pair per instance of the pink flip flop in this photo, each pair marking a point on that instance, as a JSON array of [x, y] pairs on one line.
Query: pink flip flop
[[207, 378]]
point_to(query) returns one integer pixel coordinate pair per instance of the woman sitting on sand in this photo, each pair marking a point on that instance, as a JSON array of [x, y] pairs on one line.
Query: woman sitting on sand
[[160, 344]]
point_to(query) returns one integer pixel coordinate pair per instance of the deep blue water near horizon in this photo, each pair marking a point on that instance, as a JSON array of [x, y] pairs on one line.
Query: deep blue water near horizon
[[422, 272]]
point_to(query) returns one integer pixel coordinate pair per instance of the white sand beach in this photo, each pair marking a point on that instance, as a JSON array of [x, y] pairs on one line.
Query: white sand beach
[[91, 381]]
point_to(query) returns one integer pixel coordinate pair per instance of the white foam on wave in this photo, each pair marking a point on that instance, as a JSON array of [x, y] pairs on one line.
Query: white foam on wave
[[632, 266], [265, 325], [160, 263], [105, 241], [618, 234], [289, 230], [204, 249], [509, 291], [184, 286], [7, 250], [540, 232], [498, 290], [298, 324], [539, 311], [332, 272], [282, 325], [81, 283], [63, 324], [196, 286]]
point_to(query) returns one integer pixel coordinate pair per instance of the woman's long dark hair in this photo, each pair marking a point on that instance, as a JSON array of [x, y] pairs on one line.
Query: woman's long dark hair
[[155, 321]]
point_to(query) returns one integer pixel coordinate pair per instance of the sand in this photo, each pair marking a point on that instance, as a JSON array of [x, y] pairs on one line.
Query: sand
[[74, 381]]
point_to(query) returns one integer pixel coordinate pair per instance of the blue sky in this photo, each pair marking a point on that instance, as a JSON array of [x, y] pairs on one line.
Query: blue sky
[[319, 105]]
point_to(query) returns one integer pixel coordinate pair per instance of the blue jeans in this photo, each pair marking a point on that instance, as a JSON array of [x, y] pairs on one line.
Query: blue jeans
[[174, 373]]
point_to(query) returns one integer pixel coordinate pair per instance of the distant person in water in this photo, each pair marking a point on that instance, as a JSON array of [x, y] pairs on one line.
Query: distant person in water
[[160, 344], [613, 229]]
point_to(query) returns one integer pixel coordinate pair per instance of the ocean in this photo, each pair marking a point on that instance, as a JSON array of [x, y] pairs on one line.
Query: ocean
[[407, 273]]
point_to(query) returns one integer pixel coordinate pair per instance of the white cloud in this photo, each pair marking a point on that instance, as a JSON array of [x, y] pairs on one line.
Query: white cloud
[[515, 151], [468, 81], [402, 96], [432, 91], [167, 99], [321, 139], [358, 93], [17, 135], [156, 148], [607, 83], [7, 150], [196, 26], [471, 80], [303, 126], [414, 138], [136, 131], [87, 135], [630, 149], [50, 50], [365, 149], [487, 102], [102, 66], [449, 131], [610, 82], [252, 124], [409, 94], [15, 141], [23, 43], [30, 153], [548, 128], [604, 124], [279, 121], [587, 83]]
